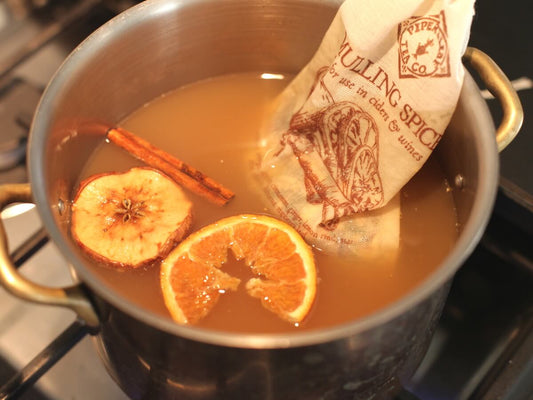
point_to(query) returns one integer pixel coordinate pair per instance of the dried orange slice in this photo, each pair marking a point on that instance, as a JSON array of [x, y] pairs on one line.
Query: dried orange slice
[[192, 280], [130, 219]]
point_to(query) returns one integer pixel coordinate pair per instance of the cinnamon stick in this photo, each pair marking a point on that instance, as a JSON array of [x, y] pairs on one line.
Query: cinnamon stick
[[182, 173]]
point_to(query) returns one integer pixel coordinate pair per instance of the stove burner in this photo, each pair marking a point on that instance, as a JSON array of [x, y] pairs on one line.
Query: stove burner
[[18, 101]]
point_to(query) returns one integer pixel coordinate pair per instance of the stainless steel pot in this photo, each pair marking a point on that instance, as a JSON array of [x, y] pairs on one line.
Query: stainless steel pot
[[157, 46]]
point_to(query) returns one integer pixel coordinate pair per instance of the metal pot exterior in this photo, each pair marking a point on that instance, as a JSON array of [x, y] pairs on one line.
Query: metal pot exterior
[[160, 45], [149, 363]]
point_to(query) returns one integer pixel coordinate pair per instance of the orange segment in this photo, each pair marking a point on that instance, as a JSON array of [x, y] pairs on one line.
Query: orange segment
[[194, 289], [211, 249], [280, 298], [192, 280]]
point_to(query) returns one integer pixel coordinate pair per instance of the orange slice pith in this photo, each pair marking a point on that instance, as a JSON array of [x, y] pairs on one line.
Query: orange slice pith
[[130, 219], [192, 279]]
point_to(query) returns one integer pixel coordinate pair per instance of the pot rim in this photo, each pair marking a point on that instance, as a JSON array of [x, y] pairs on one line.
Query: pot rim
[[469, 237]]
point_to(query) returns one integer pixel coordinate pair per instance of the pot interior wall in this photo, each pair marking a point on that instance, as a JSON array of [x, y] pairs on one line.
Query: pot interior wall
[[167, 47], [142, 54]]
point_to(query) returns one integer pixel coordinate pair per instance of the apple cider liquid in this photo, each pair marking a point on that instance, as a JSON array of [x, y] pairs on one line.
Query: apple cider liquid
[[213, 125]]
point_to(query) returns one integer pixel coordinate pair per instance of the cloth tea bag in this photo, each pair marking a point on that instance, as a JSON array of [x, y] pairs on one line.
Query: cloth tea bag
[[361, 119]]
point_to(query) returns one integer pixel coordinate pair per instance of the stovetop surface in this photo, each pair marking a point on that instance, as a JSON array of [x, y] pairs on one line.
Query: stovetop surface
[[482, 348], [504, 31], [26, 329]]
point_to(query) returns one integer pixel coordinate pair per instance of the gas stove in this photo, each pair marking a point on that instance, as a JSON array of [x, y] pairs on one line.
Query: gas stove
[[483, 345]]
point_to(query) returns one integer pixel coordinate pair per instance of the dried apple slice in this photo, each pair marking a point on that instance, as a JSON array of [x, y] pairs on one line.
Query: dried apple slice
[[129, 220]]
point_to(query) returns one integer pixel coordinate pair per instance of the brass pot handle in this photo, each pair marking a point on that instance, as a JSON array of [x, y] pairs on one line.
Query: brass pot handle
[[72, 297], [498, 84]]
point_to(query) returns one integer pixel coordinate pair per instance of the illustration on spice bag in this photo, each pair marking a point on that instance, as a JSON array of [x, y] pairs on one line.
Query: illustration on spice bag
[[362, 117]]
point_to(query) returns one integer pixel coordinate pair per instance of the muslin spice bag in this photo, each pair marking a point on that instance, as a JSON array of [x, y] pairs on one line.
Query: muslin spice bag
[[361, 118]]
